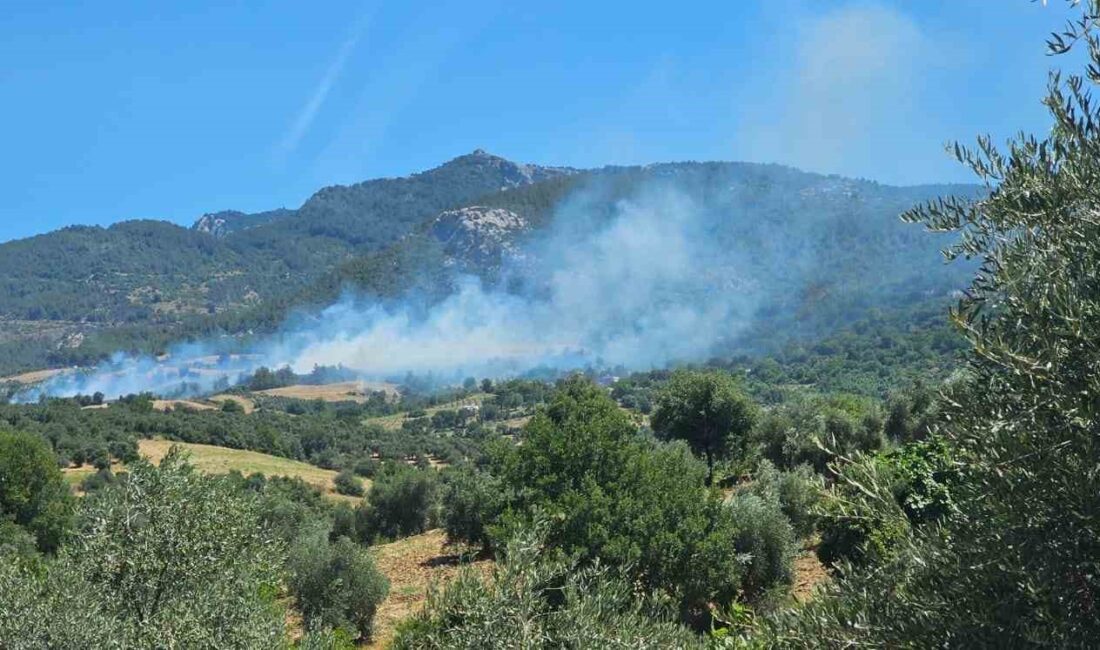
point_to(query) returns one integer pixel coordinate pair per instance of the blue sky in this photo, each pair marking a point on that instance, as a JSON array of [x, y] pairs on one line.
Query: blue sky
[[115, 110]]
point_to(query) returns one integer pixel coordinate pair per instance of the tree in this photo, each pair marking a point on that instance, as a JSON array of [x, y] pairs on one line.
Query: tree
[[537, 599], [473, 500], [403, 502], [336, 585], [348, 484], [167, 558], [33, 493], [708, 410], [621, 499], [1018, 561]]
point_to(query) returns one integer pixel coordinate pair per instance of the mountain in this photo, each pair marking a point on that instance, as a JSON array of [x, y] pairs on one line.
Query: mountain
[[220, 224], [139, 285]]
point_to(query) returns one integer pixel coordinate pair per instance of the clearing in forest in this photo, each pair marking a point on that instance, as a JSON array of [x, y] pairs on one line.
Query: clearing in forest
[[348, 391]]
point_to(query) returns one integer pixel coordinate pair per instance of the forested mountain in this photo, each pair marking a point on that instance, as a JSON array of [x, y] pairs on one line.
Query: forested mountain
[[818, 246]]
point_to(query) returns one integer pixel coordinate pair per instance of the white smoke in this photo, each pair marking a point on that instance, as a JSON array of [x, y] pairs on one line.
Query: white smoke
[[640, 287]]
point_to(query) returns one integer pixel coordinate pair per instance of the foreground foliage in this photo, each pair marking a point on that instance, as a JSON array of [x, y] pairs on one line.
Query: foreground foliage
[[168, 558], [1018, 562], [537, 599]]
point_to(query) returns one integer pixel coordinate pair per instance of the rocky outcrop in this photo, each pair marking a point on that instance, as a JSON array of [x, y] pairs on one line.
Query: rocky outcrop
[[479, 236], [220, 224]]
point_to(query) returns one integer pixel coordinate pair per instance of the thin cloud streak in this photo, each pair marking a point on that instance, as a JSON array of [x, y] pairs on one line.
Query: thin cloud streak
[[309, 112]]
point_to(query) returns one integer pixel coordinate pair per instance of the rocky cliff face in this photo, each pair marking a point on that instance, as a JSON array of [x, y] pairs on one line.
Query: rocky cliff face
[[220, 224], [479, 236], [211, 224]]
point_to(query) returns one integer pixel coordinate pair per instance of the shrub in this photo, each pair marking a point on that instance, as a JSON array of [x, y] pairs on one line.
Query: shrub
[[472, 501], [167, 558], [763, 535], [32, 492], [862, 521], [98, 481], [798, 493], [367, 467], [336, 585], [125, 451], [403, 502], [537, 599], [348, 484]]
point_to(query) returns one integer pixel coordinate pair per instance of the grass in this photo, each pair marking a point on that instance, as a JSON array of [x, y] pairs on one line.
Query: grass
[[222, 460], [348, 391], [393, 422], [247, 405], [412, 566]]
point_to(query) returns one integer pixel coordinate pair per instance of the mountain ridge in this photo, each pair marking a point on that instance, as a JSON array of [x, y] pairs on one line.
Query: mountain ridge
[[141, 284]]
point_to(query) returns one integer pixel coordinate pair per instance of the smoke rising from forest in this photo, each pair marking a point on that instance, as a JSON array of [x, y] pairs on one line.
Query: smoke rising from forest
[[640, 287]]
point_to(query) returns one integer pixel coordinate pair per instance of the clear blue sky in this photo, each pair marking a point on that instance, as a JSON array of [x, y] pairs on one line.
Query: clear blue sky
[[116, 110]]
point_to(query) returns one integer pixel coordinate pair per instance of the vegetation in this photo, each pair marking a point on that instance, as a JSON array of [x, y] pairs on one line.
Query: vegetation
[[534, 602], [336, 585], [168, 557], [1014, 561], [707, 410], [34, 499]]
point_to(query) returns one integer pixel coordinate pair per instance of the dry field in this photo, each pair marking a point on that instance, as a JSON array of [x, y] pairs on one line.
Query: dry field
[[34, 377], [348, 391], [246, 404], [165, 404], [222, 460], [412, 566]]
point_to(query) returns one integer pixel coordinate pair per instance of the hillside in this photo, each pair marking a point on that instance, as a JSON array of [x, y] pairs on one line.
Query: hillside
[[820, 247]]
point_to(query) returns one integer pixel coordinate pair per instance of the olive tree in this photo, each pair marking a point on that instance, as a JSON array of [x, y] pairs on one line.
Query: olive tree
[[708, 410]]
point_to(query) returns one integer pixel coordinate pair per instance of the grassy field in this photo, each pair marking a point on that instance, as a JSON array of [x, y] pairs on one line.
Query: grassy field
[[166, 404], [393, 422], [221, 460], [246, 404], [348, 391], [34, 377]]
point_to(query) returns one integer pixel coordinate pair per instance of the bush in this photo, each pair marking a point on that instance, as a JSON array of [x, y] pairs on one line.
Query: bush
[[367, 467], [536, 599], [336, 585], [167, 558], [764, 535], [814, 430], [348, 484], [403, 502], [862, 521], [798, 493], [33, 493], [98, 481], [472, 501], [125, 451]]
